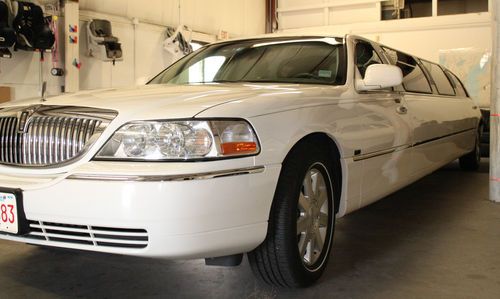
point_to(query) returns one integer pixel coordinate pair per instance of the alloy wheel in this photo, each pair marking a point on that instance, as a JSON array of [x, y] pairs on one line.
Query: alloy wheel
[[313, 215]]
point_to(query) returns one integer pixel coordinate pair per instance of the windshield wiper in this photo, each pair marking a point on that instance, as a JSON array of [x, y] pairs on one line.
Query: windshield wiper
[[224, 81], [247, 81]]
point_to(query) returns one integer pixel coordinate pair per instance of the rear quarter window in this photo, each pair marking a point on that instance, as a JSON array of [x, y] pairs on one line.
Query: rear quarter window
[[459, 87], [442, 82]]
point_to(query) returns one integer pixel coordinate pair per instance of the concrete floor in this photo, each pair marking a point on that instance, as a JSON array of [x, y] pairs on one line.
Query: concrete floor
[[438, 238]]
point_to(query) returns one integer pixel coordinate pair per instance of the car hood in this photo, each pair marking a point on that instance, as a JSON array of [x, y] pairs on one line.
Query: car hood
[[161, 101]]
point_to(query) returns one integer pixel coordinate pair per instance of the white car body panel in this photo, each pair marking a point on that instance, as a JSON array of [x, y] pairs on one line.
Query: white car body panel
[[381, 151]]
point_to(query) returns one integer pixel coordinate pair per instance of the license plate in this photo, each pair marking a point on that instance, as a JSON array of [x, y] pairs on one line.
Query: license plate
[[9, 221]]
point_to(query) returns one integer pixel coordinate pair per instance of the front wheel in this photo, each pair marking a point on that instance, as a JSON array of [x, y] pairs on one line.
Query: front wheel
[[302, 221]]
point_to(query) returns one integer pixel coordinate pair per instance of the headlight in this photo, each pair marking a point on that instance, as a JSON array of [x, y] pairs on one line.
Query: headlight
[[181, 140]]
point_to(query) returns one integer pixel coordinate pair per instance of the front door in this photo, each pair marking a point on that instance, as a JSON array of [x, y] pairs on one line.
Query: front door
[[385, 126]]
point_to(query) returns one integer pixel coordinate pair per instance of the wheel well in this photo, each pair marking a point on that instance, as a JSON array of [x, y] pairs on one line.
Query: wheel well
[[326, 143]]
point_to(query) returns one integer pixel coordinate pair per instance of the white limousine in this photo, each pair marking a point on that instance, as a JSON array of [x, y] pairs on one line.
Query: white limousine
[[250, 146]]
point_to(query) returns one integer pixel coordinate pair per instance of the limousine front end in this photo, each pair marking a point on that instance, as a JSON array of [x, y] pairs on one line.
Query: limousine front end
[[68, 182]]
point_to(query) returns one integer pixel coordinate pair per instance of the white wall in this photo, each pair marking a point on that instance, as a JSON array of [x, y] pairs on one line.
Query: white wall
[[238, 17], [301, 13], [420, 36], [423, 37], [142, 46], [143, 55]]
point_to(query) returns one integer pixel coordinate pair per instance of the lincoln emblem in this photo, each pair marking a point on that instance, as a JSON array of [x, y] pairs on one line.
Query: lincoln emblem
[[23, 120]]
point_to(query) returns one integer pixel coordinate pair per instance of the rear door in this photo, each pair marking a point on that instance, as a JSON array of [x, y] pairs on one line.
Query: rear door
[[441, 121]]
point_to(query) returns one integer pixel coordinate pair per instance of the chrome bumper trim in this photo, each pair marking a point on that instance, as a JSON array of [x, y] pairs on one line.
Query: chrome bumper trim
[[167, 178]]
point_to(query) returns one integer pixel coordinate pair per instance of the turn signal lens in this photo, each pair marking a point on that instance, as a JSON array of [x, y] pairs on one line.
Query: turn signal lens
[[236, 138], [238, 148]]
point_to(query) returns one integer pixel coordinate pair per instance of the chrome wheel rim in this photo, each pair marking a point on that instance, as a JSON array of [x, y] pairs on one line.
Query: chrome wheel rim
[[313, 215]]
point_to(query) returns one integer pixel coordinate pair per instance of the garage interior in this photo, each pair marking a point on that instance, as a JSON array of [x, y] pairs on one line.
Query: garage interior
[[437, 238]]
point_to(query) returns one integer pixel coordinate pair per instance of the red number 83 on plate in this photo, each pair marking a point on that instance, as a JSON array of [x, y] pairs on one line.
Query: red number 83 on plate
[[8, 213]]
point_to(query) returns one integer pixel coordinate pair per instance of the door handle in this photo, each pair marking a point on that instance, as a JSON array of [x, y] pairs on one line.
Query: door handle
[[402, 110]]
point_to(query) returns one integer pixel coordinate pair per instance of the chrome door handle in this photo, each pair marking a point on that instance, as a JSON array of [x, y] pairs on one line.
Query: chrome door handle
[[402, 110]]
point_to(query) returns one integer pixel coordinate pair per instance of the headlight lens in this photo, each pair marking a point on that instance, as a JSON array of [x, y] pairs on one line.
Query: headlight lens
[[181, 140], [137, 142]]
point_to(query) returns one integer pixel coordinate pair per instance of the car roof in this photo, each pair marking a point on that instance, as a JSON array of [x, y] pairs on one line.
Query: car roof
[[280, 36]]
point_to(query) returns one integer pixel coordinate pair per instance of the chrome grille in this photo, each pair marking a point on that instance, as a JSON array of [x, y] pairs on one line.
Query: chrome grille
[[88, 235], [48, 140], [9, 139], [51, 136]]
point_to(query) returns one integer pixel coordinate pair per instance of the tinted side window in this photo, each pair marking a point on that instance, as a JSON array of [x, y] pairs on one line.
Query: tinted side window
[[414, 79], [365, 56], [443, 85], [459, 87]]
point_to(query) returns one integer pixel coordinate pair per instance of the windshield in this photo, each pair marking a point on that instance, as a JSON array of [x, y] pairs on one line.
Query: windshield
[[285, 60]]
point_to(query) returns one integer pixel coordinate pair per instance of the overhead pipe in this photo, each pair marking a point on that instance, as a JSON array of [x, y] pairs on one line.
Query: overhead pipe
[[495, 114], [71, 46], [271, 19]]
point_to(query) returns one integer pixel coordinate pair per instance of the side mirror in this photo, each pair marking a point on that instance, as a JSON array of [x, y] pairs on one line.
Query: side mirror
[[380, 76]]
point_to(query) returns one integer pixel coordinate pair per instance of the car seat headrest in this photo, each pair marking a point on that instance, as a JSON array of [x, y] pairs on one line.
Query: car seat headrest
[[4, 14], [101, 42], [101, 28], [33, 30], [7, 34]]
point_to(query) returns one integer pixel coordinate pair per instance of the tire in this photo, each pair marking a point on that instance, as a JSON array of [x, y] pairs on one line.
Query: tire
[[472, 160], [300, 211]]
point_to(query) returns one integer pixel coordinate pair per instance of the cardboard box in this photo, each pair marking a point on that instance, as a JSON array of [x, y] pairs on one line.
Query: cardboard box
[[4, 94]]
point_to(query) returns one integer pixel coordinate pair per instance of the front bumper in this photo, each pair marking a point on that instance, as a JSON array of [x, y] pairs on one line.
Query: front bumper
[[204, 216]]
